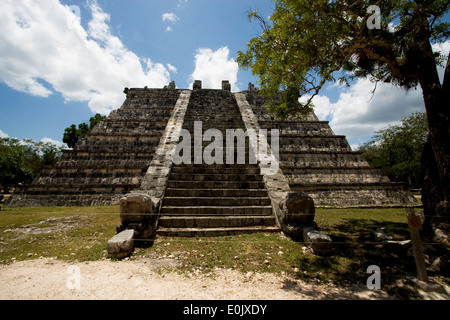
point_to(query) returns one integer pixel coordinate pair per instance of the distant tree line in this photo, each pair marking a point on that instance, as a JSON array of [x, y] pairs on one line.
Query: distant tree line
[[397, 150], [73, 133], [22, 160]]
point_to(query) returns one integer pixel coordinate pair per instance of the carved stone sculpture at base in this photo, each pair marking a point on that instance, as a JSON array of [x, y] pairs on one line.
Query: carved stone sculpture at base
[[296, 212], [139, 211]]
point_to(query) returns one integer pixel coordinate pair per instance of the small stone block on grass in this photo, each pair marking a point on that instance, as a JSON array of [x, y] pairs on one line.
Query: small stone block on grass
[[319, 242], [121, 245]]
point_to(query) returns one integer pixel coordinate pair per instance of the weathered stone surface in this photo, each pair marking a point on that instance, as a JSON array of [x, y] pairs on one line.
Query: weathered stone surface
[[319, 242], [379, 235], [121, 245], [226, 85], [138, 207], [440, 236], [112, 160], [297, 209], [441, 265], [197, 84], [321, 164], [429, 286], [220, 198], [171, 86], [108, 162]]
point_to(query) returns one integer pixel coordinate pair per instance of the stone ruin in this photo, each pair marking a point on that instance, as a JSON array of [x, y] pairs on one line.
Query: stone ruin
[[127, 160]]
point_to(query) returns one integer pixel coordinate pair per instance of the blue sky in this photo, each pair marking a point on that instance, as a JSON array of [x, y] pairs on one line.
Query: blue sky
[[56, 69]]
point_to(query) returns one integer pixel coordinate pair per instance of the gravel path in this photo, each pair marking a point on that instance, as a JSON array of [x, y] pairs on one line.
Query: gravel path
[[150, 279]]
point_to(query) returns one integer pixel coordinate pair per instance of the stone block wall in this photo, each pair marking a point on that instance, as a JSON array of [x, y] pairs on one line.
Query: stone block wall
[[108, 162], [118, 153], [321, 164]]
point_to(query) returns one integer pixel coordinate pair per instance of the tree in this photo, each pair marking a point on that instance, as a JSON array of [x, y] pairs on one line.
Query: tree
[[72, 133], [21, 161], [95, 119], [398, 150], [12, 170], [309, 43], [71, 136]]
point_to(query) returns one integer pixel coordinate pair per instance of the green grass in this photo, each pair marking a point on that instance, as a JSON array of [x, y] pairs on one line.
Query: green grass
[[81, 234], [77, 233]]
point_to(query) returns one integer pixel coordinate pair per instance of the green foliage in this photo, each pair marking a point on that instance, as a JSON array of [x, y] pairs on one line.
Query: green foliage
[[21, 161], [72, 133], [95, 119], [398, 149], [309, 43], [71, 136]]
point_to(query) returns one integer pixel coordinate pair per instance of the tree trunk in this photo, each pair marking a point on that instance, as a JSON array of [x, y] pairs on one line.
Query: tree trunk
[[436, 156]]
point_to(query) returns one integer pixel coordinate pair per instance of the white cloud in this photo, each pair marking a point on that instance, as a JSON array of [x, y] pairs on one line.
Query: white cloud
[[211, 67], [358, 115], [3, 135], [171, 17], [57, 143], [181, 3], [443, 49], [171, 68], [45, 49]]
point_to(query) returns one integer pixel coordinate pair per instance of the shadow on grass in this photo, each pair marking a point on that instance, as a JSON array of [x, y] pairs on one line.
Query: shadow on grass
[[355, 250]]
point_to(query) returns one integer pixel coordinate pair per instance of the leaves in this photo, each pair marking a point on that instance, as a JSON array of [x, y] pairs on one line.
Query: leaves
[[308, 43], [72, 133], [21, 161], [398, 149]]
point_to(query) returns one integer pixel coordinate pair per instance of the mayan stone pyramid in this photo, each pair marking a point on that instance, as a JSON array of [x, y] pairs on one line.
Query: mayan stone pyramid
[[130, 153]]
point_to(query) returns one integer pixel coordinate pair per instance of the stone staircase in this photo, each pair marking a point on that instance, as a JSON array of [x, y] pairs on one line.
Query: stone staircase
[[215, 199]]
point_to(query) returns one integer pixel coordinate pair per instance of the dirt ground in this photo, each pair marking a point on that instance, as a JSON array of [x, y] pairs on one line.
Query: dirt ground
[[151, 279]]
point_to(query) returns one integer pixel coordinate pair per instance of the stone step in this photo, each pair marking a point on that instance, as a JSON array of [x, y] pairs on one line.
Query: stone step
[[341, 169], [143, 115], [346, 186], [102, 163], [288, 148], [217, 210], [69, 189], [64, 199], [311, 159], [81, 167], [214, 192], [220, 143], [215, 184], [217, 166], [129, 136], [187, 176], [213, 232], [216, 201], [207, 170], [215, 221], [129, 129], [106, 181], [336, 178], [117, 145], [78, 172]]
